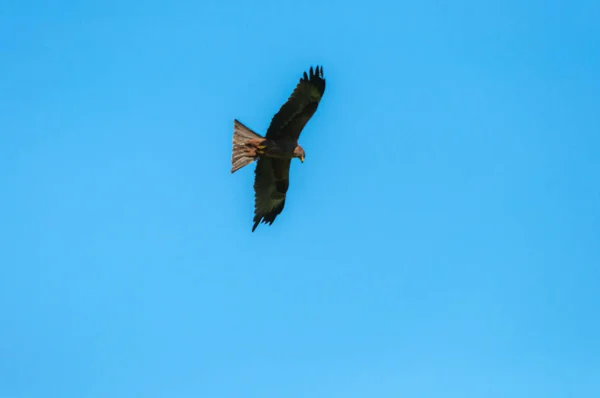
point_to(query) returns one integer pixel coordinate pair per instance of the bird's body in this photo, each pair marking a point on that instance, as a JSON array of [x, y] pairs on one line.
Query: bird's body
[[276, 150], [283, 148]]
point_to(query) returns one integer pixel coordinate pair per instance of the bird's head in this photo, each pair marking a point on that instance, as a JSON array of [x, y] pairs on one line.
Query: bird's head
[[299, 153]]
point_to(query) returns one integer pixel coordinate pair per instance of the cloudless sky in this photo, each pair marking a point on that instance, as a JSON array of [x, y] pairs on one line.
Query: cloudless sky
[[440, 240]]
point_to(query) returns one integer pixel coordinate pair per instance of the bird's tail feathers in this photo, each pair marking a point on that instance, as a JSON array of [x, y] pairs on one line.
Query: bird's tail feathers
[[244, 146]]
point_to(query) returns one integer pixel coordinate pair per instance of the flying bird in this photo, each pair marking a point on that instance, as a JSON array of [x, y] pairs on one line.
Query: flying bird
[[278, 147]]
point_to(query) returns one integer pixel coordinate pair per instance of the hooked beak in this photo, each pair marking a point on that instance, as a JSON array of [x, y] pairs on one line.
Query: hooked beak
[[302, 158]]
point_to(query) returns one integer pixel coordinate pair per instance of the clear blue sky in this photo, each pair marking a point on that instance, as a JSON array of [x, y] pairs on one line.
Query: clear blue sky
[[441, 239]]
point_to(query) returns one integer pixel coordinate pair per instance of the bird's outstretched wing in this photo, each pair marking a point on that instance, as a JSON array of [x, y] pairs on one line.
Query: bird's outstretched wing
[[300, 106], [271, 183]]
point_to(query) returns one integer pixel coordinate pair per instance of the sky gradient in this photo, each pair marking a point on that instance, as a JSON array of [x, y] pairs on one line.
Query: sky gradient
[[440, 240]]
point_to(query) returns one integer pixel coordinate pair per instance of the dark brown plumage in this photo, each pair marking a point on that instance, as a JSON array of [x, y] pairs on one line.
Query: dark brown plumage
[[276, 150]]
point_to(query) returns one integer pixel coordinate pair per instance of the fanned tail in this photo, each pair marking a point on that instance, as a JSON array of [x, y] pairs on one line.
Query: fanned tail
[[244, 146]]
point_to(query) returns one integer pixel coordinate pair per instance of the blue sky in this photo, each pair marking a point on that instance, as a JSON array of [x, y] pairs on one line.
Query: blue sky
[[441, 239]]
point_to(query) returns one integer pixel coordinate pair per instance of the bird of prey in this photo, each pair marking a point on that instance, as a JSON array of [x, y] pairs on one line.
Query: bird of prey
[[278, 147]]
